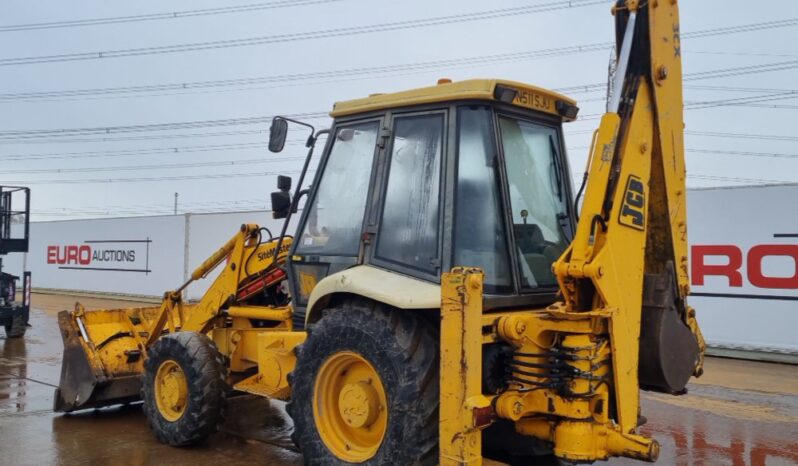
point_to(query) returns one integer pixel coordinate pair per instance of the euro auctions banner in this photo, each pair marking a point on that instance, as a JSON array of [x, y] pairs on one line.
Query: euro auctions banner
[[139, 256], [744, 266], [116, 255]]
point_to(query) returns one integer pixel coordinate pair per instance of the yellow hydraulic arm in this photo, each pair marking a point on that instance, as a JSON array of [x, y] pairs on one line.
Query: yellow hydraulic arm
[[576, 367], [221, 291], [104, 350], [633, 219]]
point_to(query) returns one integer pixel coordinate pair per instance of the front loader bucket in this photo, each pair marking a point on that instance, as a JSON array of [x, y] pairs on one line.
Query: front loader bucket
[[102, 360]]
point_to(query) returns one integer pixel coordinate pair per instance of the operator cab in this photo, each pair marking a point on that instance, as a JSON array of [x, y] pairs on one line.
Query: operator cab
[[471, 173]]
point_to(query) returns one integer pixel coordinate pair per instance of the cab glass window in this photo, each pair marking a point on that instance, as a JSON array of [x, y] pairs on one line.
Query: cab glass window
[[537, 197], [409, 226], [335, 218], [479, 233]]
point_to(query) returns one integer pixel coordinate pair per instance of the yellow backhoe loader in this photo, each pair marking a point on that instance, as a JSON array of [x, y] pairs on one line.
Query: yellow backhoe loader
[[441, 302]]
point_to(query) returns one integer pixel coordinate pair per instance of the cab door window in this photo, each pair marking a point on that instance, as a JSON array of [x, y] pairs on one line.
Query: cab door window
[[479, 232], [335, 216], [409, 233], [537, 197]]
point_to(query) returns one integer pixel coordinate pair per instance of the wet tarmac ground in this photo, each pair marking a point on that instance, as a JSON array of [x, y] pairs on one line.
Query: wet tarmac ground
[[740, 413]]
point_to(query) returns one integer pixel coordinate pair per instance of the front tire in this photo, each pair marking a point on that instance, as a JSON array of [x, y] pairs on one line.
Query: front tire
[[17, 327], [184, 388], [365, 389]]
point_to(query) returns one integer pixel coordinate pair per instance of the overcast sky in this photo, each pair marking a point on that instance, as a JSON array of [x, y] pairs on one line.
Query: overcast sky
[[188, 160]]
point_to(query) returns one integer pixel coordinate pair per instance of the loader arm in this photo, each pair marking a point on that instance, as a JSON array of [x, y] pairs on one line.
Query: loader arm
[[104, 350], [632, 232]]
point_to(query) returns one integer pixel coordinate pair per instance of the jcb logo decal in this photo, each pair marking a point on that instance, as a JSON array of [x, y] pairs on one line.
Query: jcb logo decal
[[633, 211]]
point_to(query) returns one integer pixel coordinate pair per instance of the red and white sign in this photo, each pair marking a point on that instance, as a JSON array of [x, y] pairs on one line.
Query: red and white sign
[[108, 255], [744, 266], [747, 267]]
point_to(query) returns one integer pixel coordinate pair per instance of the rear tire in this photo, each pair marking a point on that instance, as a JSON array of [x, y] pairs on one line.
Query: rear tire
[[17, 327], [400, 350], [184, 388]]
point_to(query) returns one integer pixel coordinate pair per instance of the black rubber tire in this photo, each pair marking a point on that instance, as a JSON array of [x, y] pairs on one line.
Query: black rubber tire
[[403, 350], [17, 327], [206, 376]]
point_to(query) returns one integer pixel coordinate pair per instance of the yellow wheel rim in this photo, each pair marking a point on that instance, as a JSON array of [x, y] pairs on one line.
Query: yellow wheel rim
[[171, 390], [350, 407]]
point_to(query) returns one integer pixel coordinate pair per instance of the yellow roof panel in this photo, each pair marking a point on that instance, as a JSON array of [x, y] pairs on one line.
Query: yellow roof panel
[[526, 96]]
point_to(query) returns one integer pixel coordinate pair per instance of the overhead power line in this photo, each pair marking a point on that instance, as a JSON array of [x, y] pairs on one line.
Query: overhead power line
[[759, 90], [743, 153], [187, 87], [150, 137], [715, 134], [272, 160], [109, 130], [735, 179], [234, 176], [163, 166], [719, 134], [743, 28], [228, 176], [137, 152], [310, 35], [701, 75], [717, 103], [320, 75], [36, 133], [718, 152], [741, 100], [161, 16], [153, 208]]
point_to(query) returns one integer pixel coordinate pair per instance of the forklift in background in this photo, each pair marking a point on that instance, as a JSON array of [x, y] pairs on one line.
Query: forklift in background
[[14, 232]]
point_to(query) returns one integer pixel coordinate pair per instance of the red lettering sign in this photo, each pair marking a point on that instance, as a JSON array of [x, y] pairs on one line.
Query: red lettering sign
[[754, 260], [69, 255], [731, 270], [84, 254], [699, 269], [52, 254]]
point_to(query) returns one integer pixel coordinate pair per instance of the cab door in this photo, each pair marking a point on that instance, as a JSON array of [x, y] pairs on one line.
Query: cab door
[[330, 230], [408, 203]]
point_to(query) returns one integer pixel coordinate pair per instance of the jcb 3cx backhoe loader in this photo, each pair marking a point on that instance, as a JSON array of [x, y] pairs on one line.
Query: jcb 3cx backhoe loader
[[535, 341]]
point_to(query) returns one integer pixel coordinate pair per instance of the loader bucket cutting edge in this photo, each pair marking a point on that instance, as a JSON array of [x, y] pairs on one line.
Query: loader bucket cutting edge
[[84, 384]]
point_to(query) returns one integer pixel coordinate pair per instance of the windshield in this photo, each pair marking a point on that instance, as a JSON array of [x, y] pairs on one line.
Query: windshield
[[537, 197], [335, 216]]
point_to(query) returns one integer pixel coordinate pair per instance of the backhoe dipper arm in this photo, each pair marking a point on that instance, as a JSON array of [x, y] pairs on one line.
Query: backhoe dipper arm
[[628, 259]]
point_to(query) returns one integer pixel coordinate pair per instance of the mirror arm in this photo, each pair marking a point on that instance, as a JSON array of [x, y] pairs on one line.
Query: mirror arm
[[297, 193], [312, 138]]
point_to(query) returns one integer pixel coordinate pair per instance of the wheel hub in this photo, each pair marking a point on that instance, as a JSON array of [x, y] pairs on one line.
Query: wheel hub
[[358, 404], [350, 407], [171, 390]]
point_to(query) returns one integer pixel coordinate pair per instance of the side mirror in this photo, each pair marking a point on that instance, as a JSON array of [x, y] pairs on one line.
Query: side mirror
[[281, 200], [281, 204], [284, 183], [277, 134]]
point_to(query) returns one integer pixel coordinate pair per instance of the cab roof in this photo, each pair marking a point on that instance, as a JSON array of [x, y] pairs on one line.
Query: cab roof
[[512, 92]]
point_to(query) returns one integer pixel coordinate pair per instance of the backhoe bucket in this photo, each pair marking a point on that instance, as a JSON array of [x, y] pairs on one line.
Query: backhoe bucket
[[103, 360]]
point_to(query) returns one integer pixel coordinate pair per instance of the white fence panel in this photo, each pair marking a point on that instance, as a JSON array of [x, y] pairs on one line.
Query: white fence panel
[[744, 266], [137, 256]]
